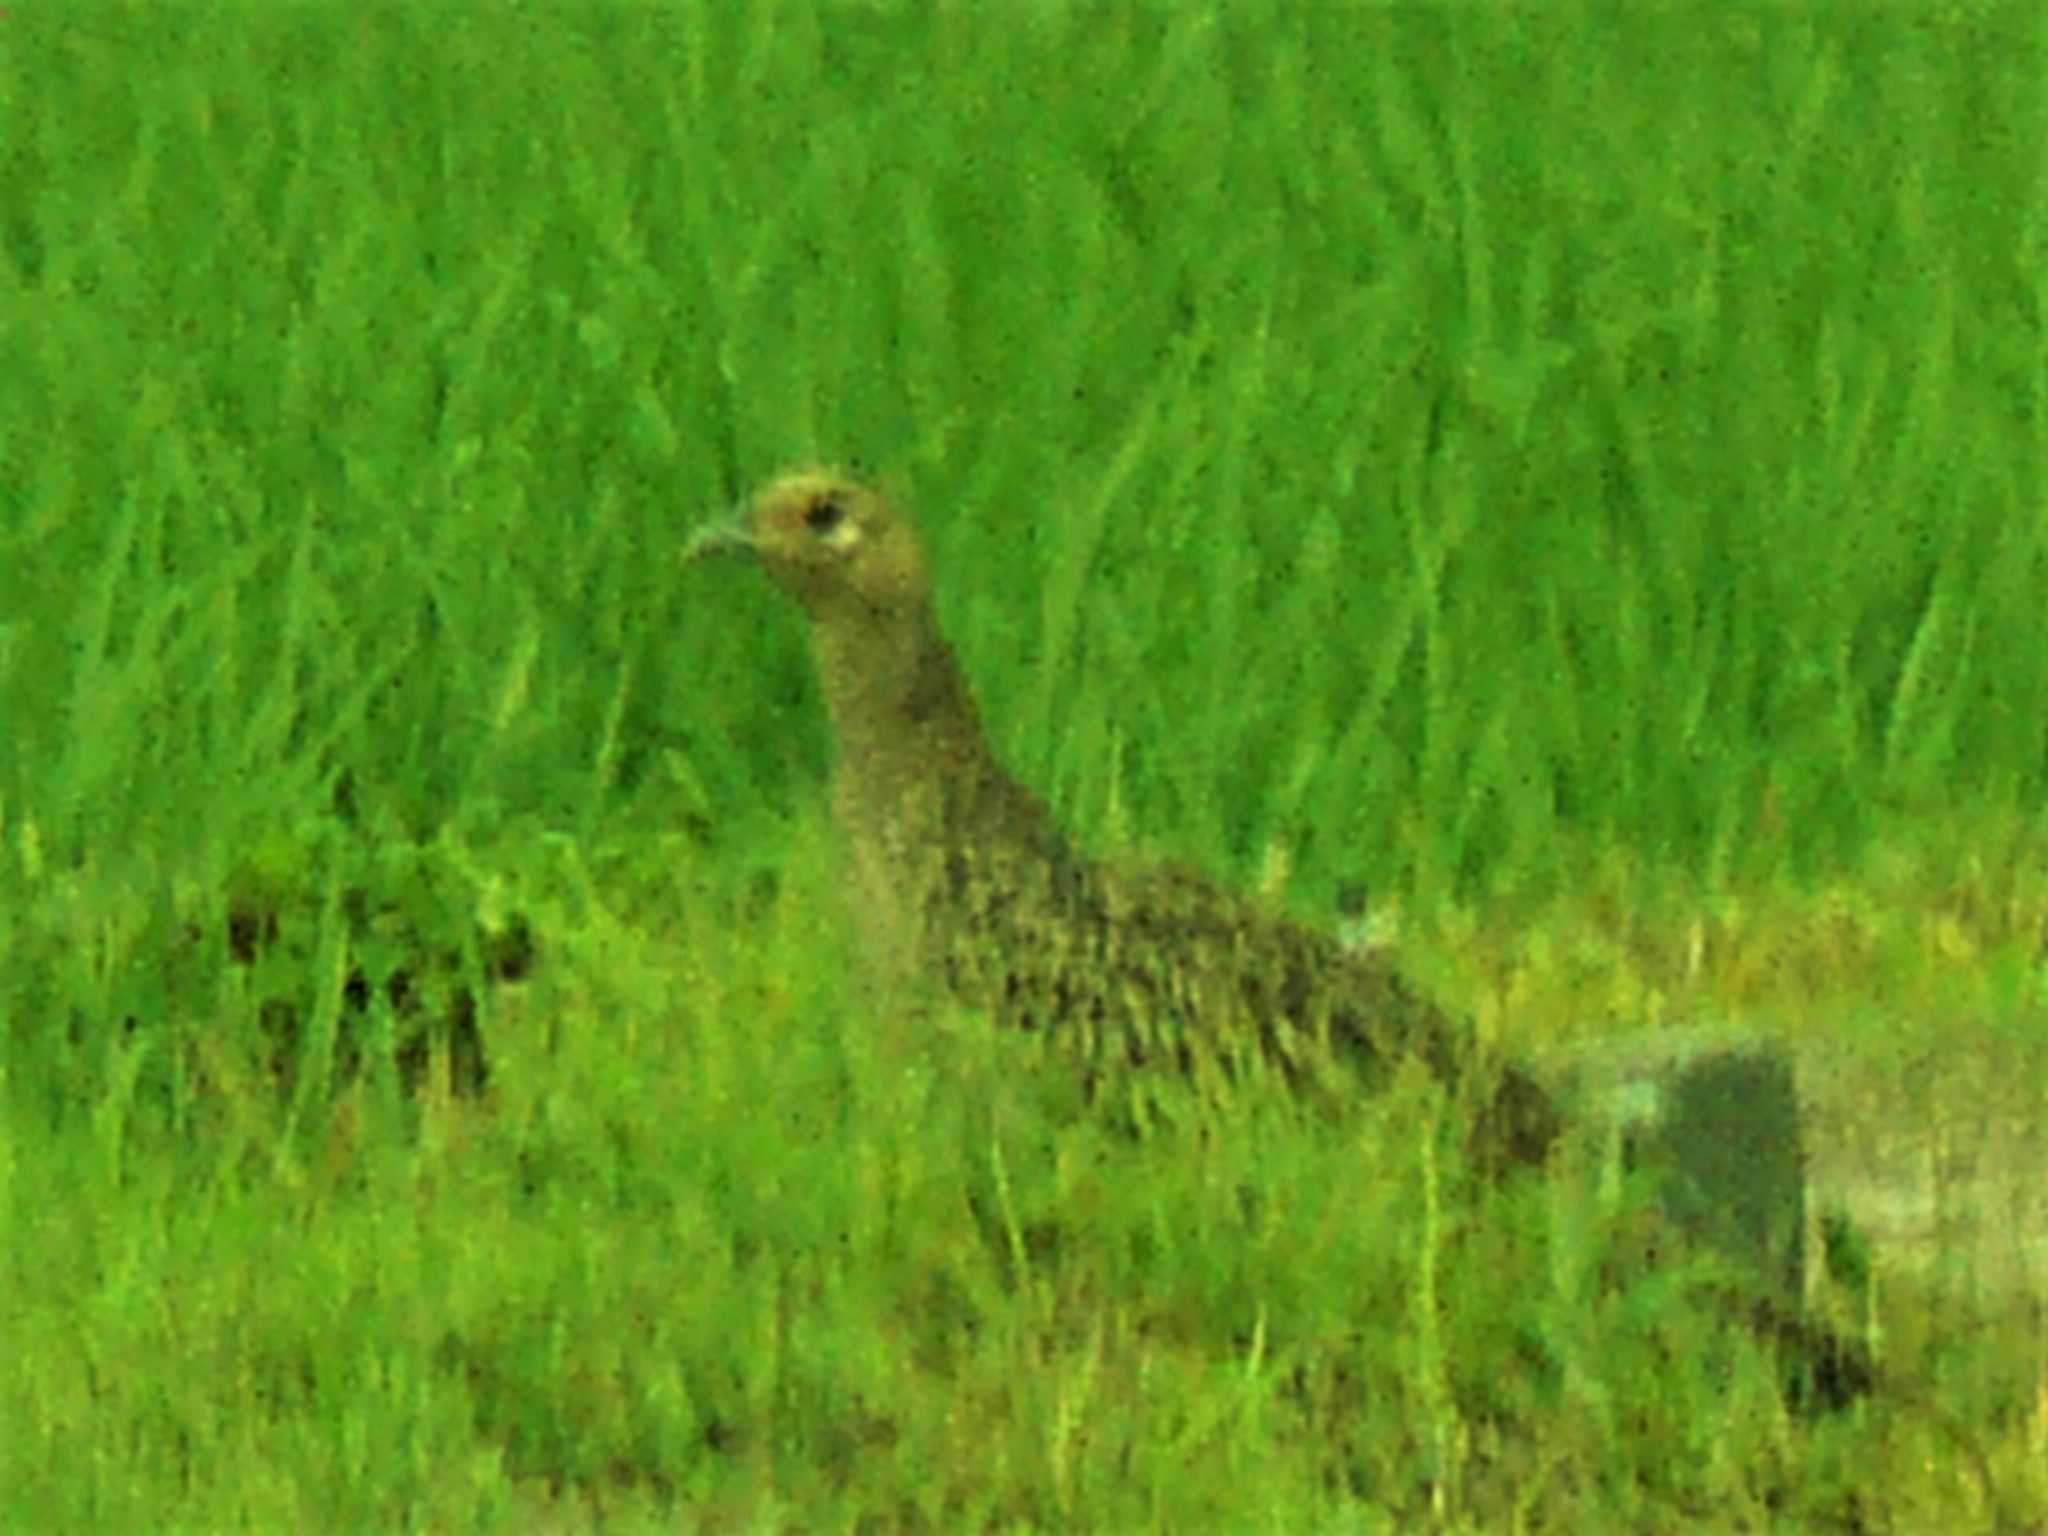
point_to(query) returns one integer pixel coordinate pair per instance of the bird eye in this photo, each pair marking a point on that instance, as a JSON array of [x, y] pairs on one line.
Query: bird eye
[[824, 514]]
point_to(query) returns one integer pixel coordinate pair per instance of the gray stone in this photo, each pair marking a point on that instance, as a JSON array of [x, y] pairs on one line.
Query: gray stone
[[1909, 1154], [1930, 1141], [1713, 1118]]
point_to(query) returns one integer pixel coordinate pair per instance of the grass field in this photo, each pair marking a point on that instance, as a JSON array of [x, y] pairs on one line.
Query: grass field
[[1571, 472]]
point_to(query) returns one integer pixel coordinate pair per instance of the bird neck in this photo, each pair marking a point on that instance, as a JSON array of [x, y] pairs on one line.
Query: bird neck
[[898, 703]]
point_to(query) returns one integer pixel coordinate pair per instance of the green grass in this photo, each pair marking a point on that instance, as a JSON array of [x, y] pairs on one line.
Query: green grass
[[1573, 474]]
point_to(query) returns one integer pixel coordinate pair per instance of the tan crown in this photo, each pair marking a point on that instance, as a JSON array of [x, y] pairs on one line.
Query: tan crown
[[832, 541]]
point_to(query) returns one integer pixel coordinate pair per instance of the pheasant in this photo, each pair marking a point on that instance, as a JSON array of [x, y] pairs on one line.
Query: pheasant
[[963, 877]]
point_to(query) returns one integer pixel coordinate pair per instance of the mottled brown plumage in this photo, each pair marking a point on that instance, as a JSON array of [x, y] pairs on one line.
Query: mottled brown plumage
[[962, 876]]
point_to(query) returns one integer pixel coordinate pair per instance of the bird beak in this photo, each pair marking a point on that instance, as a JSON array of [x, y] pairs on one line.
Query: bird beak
[[728, 536]]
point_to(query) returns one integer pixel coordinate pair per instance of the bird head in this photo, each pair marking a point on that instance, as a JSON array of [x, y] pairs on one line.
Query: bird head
[[830, 542]]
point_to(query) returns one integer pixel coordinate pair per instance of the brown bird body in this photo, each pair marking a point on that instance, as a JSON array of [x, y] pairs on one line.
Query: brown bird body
[[962, 876]]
